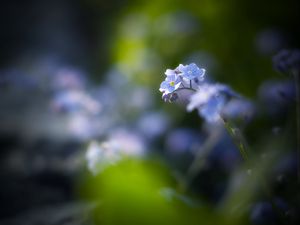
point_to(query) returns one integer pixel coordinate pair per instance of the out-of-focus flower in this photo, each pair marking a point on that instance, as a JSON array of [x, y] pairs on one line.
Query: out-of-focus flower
[[287, 60], [153, 124], [74, 101], [68, 78], [83, 127], [183, 140], [140, 98], [210, 100], [99, 156], [239, 109], [127, 142], [212, 108], [120, 144], [277, 95]]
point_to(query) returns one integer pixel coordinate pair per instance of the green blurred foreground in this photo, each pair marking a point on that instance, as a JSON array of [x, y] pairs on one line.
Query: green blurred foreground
[[136, 192]]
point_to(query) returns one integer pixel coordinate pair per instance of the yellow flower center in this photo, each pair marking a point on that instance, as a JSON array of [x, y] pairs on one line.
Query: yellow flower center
[[172, 83]]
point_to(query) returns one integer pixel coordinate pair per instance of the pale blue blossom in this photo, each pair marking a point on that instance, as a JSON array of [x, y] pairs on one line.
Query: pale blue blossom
[[209, 100], [186, 77], [191, 71], [211, 110], [171, 83]]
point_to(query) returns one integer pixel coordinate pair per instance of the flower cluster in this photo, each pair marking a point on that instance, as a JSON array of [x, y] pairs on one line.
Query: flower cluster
[[211, 100], [183, 77], [208, 99]]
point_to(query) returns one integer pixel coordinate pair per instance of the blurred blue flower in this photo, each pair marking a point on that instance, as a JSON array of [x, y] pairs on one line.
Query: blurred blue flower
[[120, 143], [99, 156], [277, 95], [68, 78], [127, 142], [171, 83], [191, 71], [153, 124], [239, 109], [287, 60], [210, 100], [75, 101], [183, 140], [211, 110]]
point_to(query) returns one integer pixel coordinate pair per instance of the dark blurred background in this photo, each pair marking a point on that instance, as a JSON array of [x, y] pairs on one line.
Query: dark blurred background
[[63, 66]]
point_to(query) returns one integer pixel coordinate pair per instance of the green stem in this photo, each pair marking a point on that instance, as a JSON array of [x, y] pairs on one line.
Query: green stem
[[241, 144]]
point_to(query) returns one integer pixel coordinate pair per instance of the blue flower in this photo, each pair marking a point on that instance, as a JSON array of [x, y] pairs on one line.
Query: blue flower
[[287, 60], [183, 140], [171, 83], [239, 109], [191, 71], [211, 110], [210, 100], [277, 96], [183, 77]]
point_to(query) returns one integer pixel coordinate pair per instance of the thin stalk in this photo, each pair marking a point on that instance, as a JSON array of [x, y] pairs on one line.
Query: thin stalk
[[241, 144]]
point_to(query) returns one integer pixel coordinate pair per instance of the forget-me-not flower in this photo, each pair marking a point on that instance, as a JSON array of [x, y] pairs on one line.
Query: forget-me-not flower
[[170, 84], [183, 77], [191, 71]]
